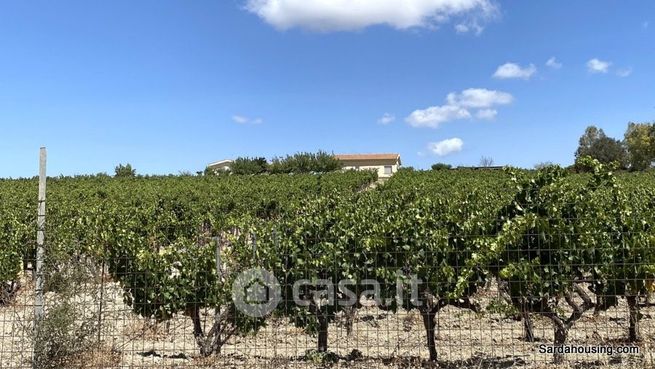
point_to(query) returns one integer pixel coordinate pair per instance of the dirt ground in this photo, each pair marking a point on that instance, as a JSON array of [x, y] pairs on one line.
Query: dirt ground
[[378, 340]]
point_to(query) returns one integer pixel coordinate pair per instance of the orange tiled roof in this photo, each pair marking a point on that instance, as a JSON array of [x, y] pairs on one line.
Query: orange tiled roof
[[346, 157]]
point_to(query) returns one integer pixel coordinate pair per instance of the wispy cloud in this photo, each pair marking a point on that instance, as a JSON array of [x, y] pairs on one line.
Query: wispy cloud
[[645, 25], [598, 66], [348, 15], [513, 70], [387, 119], [553, 63], [240, 119], [445, 147], [624, 72], [459, 106], [488, 114], [471, 25]]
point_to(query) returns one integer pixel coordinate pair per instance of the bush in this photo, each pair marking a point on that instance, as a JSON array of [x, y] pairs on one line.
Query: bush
[[245, 165], [68, 332], [305, 162], [61, 338], [441, 166]]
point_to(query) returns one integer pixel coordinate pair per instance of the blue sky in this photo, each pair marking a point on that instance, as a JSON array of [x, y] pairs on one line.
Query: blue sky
[[170, 86]]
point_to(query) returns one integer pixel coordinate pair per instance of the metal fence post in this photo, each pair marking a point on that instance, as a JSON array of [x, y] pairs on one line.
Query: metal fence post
[[40, 240]]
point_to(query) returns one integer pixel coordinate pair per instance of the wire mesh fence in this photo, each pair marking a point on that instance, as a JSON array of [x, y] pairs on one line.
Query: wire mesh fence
[[99, 317], [431, 269]]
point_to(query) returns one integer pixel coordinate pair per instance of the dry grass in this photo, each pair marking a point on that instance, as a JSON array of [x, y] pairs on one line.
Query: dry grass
[[98, 357], [146, 329]]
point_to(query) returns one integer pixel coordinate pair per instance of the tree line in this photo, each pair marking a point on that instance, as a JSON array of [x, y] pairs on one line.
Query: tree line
[[301, 162], [635, 152]]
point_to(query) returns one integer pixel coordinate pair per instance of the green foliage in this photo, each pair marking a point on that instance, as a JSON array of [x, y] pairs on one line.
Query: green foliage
[[157, 235], [321, 358], [502, 308], [406, 169], [309, 243], [595, 144], [305, 162], [124, 171], [557, 232], [441, 166], [249, 166], [640, 142], [15, 233], [542, 233], [302, 162]]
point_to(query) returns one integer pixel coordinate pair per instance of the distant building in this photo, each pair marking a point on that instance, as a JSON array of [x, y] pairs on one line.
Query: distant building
[[384, 164], [220, 166]]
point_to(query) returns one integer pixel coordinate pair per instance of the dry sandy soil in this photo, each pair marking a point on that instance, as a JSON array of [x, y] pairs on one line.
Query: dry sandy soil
[[378, 340]]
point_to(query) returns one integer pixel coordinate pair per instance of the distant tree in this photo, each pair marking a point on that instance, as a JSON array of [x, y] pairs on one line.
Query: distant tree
[[124, 170], [640, 142], [486, 161], [279, 165], [441, 166], [305, 162], [326, 162], [587, 140], [596, 144], [543, 164], [245, 165]]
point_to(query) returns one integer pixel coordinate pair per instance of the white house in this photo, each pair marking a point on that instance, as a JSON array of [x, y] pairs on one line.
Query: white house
[[222, 165], [384, 164]]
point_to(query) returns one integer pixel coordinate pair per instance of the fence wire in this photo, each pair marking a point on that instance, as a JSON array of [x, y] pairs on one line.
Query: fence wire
[[95, 317]]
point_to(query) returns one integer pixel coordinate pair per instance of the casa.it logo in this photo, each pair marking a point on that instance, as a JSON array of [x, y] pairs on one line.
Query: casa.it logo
[[256, 292]]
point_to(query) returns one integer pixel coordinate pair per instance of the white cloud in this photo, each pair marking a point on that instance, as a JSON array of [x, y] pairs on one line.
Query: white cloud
[[624, 72], [462, 28], [487, 114], [479, 98], [446, 147], [435, 115], [513, 70], [387, 118], [349, 15], [457, 107], [598, 66], [245, 120], [240, 119], [472, 25], [553, 63]]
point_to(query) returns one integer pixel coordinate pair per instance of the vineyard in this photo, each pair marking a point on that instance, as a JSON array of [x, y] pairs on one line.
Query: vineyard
[[498, 267]]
